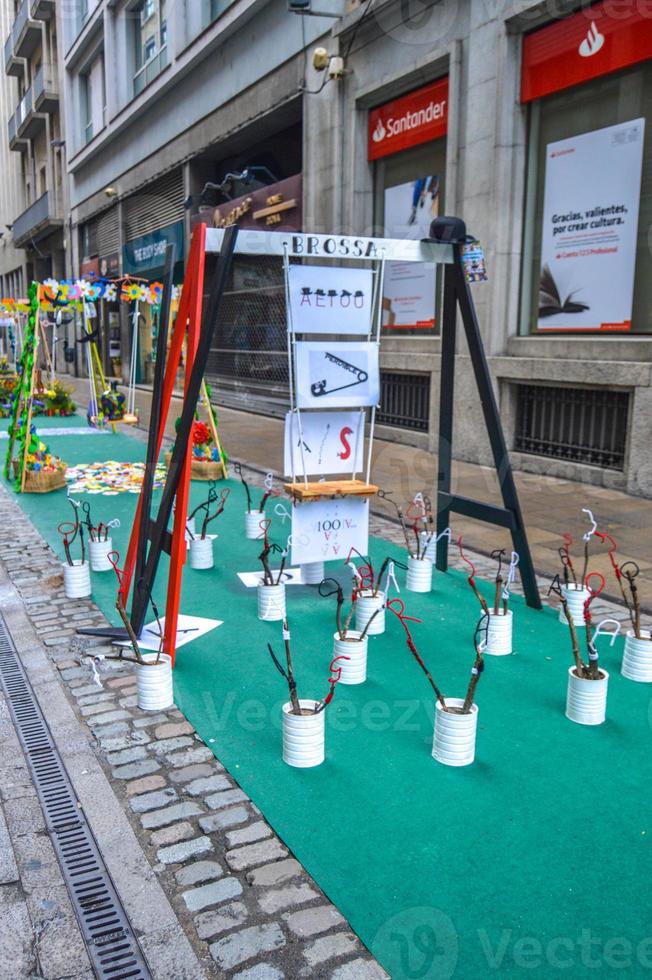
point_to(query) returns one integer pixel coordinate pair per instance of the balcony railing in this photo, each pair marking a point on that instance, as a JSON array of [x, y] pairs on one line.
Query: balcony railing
[[37, 216], [45, 89], [20, 20], [42, 8], [13, 64], [26, 33], [25, 106], [150, 70]]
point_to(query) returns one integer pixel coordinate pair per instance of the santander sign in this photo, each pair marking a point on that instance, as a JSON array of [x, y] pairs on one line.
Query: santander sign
[[417, 117]]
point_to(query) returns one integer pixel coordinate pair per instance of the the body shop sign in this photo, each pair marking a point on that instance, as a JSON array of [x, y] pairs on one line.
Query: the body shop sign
[[415, 118], [148, 252]]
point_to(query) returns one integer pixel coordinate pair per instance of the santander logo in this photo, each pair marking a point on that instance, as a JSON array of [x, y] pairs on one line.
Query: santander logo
[[379, 132], [592, 42]]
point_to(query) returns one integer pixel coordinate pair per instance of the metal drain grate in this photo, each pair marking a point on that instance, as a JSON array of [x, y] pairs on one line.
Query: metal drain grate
[[112, 946]]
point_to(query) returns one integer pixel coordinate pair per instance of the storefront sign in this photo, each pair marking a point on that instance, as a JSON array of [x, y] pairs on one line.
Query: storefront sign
[[417, 117], [409, 294], [330, 299], [590, 221], [278, 206], [110, 266], [591, 43], [323, 443], [90, 269], [148, 252]]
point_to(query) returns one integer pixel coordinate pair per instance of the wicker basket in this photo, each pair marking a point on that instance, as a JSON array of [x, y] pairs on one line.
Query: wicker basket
[[201, 469], [42, 481]]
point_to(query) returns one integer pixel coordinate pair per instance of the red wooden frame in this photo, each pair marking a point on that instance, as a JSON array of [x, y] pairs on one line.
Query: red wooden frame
[[187, 326]]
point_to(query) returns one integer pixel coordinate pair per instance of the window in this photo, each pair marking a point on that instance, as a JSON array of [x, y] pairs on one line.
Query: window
[[93, 99], [404, 400], [408, 194], [606, 101], [215, 9], [150, 49], [582, 425], [87, 111]]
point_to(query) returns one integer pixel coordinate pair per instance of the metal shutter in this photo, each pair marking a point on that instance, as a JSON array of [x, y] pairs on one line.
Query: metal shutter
[[154, 206], [108, 232]]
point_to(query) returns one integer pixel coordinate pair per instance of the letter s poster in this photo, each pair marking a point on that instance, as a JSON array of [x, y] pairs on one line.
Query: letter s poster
[[327, 529], [590, 221], [328, 299], [322, 443]]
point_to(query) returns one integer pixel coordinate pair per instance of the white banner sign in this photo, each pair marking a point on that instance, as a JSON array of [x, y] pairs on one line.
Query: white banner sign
[[336, 375], [590, 221], [326, 530], [409, 292], [327, 299], [326, 442]]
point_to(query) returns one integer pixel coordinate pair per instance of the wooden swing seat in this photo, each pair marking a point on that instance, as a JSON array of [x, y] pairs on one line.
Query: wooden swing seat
[[331, 488]]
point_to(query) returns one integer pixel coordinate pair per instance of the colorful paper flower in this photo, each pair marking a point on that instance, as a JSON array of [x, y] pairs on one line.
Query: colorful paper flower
[[131, 292], [110, 292], [200, 434], [51, 288]]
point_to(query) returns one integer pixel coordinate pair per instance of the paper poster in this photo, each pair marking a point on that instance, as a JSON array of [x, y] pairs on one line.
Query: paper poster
[[188, 628], [290, 576], [328, 299], [337, 375], [409, 293], [590, 221], [473, 262], [322, 443], [327, 529]]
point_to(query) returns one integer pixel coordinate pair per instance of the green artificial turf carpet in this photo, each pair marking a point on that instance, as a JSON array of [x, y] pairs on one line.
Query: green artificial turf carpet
[[534, 861]]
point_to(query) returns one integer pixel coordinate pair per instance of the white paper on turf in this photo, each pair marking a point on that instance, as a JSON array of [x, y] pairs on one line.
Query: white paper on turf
[[291, 576], [327, 529], [189, 628], [332, 442], [328, 299], [590, 222], [331, 374]]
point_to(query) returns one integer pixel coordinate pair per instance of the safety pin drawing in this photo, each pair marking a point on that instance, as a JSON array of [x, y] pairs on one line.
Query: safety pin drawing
[[319, 387]]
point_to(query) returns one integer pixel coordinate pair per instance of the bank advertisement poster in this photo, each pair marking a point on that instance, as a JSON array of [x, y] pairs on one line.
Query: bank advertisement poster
[[409, 294], [323, 443], [590, 220], [330, 299]]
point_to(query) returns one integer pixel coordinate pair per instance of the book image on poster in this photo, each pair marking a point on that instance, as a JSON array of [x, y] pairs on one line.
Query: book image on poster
[[336, 374], [323, 443], [592, 191], [330, 300], [327, 529]]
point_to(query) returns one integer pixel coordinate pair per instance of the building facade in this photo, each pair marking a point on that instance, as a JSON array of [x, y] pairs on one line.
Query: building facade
[[36, 137], [180, 111], [12, 260]]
